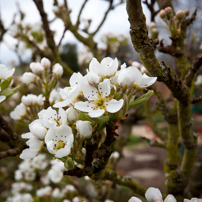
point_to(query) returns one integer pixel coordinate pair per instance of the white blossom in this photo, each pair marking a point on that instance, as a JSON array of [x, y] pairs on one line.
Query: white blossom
[[51, 118], [84, 128], [57, 193], [106, 68], [46, 191], [99, 100], [70, 94], [34, 146], [92, 78], [59, 140]]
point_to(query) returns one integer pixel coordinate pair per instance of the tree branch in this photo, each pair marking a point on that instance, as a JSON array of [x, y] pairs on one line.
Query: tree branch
[[80, 12], [145, 49], [104, 18]]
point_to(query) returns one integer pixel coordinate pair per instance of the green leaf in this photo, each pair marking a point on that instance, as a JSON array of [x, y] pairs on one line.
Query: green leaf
[[9, 92], [5, 83], [141, 100]]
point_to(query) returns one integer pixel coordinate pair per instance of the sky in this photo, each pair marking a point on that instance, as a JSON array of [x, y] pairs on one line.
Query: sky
[[117, 21]]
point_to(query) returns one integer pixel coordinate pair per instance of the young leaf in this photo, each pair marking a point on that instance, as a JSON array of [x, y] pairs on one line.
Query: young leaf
[[141, 99]]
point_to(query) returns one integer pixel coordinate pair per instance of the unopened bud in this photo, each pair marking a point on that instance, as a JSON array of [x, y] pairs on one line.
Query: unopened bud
[[168, 10], [162, 13], [69, 164], [84, 128], [72, 114], [58, 70], [154, 33], [186, 12], [45, 62], [180, 14], [28, 77], [36, 67]]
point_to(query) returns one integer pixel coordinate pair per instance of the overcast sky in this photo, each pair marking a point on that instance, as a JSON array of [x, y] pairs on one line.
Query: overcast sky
[[117, 21]]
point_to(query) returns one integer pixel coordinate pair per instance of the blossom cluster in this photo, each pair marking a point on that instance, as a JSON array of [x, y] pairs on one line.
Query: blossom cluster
[[173, 20], [105, 91], [154, 195]]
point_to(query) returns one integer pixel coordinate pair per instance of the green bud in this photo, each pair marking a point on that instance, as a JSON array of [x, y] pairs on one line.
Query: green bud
[[69, 164]]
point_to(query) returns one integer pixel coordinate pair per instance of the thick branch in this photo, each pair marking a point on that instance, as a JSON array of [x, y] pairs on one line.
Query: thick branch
[[125, 181], [145, 49], [11, 152]]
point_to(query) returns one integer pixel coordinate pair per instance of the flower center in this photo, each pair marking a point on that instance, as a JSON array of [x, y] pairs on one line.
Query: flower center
[[58, 121], [59, 145]]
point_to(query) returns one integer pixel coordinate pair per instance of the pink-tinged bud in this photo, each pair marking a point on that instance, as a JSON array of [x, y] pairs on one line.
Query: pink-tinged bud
[[168, 10], [180, 14], [162, 13], [186, 12]]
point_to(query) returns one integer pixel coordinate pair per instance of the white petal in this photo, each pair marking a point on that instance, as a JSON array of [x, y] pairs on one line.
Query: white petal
[[28, 154], [137, 75], [134, 199], [104, 87], [2, 98], [114, 105], [62, 104], [63, 115], [27, 135], [75, 79], [89, 92], [111, 65], [93, 65], [96, 113], [83, 106], [63, 152], [147, 81], [34, 144]]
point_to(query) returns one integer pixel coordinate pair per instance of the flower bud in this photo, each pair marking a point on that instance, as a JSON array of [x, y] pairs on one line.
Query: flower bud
[[154, 33], [58, 70], [72, 114], [152, 25], [29, 99], [28, 77], [186, 12], [153, 195], [134, 199], [180, 15], [84, 128], [69, 164], [45, 62], [36, 67], [162, 13], [170, 198], [168, 10]]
